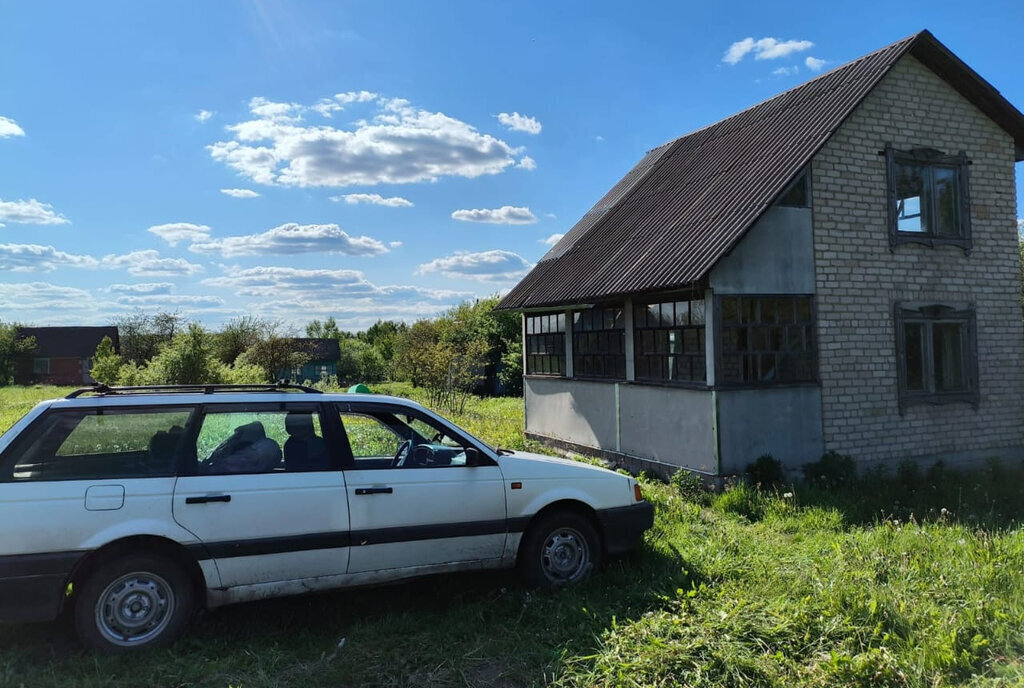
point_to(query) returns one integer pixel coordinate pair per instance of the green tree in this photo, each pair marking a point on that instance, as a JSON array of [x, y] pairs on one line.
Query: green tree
[[142, 335], [241, 333], [272, 355], [188, 359], [106, 363], [13, 350], [327, 329]]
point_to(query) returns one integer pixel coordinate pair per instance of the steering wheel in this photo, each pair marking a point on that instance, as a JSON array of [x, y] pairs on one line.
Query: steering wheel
[[403, 450]]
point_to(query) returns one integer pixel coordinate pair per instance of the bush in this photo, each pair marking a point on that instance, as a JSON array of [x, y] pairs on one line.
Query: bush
[[765, 471], [106, 364], [832, 471], [690, 486]]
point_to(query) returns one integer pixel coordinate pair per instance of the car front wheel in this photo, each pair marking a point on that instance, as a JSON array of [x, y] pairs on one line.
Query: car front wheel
[[133, 602], [561, 549]]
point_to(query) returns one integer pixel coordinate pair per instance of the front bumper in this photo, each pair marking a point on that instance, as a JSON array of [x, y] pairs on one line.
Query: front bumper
[[624, 526]]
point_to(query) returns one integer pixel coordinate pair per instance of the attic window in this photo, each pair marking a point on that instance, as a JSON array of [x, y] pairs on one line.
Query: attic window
[[797, 195], [928, 198]]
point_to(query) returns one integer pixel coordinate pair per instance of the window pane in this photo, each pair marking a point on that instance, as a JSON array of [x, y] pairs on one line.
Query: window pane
[[370, 438], [910, 182], [730, 310], [913, 341], [697, 312], [947, 352], [83, 445], [946, 193], [682, 313], [241, 442]]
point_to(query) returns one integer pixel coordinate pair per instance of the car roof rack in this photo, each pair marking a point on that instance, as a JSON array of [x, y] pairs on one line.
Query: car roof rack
[[103, 390]]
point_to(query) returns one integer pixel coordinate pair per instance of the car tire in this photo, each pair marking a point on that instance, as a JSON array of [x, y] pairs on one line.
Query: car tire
[[133, 602], [561, 548]]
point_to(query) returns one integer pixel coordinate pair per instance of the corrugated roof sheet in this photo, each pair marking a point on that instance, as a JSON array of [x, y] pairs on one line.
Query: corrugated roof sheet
[[687, 203], [71, 342]]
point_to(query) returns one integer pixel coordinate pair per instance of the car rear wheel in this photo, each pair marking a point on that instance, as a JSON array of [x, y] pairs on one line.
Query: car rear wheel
[[133, 602], [560, 549]]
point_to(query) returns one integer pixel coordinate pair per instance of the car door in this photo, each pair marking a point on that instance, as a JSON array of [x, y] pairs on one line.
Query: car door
[[426, 507], [264, 493]]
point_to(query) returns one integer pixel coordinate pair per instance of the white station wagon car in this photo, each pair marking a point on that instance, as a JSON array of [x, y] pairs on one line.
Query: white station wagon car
[[130, 507]]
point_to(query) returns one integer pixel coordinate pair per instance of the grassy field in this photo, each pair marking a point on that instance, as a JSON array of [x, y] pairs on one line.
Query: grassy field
[[909, 580]]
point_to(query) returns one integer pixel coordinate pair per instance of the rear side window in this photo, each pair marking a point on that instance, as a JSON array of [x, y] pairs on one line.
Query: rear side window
[[261, 440], [95, 444]]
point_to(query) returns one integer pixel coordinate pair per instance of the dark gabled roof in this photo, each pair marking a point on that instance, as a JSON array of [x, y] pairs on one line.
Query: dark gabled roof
[[318, 349], [69, 342], [686, 204]]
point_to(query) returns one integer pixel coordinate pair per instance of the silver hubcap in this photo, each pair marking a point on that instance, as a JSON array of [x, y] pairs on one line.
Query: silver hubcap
[[565, 556], [134, 609]]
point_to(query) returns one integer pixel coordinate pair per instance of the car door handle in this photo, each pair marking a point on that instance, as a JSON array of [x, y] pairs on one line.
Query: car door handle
[[207, 499], [373, 490]]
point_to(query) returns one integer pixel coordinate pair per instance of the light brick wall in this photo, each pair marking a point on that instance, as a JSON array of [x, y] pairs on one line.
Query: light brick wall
[[858, 278]]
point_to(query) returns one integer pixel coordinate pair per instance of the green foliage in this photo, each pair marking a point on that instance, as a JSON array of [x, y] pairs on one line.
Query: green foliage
[[272, 355], [831, 471], [106, 363], [511, 371], [690, 486], [13, 350], [240, 334], [188, 359], [742, 499], [327, 329], [142, 335], [766, 471]]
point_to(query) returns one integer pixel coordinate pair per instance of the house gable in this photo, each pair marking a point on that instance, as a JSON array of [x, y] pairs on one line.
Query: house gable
[[688, 203]]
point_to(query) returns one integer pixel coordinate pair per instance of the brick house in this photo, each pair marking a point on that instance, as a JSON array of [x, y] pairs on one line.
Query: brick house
[[835, 268], [63, 355]]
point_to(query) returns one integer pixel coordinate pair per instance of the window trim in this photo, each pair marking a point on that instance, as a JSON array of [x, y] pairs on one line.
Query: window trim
[[966, 316], [719, 350], [526, 343], [929, 157]]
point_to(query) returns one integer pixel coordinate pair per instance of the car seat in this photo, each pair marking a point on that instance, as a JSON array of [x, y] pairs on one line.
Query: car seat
[[303, 450]]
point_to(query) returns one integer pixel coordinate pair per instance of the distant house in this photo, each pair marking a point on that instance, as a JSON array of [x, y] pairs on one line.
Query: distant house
[[835, 268], [63, 355], [323, 354]]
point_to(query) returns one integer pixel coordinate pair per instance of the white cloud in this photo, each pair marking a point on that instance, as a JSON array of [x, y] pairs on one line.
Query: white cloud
[[33, 297], [599, 138], [786, 71], [553, 239], [30, 212], [8, 127], [764, 49], [141, 289], [394, 244], [203, 115], [292, 238], [551, 215], [171, 300], [483, 266], [149, 263], [527, 163], [517, 122], [373, 199], [505, 215], [398, 144], [36, 258], [239, 193], [814, 64], [174, 232]]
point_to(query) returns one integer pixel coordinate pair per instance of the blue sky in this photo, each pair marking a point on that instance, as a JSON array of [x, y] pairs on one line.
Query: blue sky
[[371, 159]]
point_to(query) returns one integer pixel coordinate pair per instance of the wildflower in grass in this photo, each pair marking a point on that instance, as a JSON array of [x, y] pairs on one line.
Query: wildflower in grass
[[787, 495]]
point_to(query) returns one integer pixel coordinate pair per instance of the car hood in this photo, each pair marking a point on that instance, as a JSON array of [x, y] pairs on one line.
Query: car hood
[[523, 464]]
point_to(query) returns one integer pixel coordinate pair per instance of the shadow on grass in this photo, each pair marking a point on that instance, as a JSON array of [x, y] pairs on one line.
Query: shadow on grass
[[987, 498], [459, 629]]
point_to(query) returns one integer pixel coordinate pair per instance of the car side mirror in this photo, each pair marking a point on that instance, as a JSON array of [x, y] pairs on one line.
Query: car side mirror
[[472, 456]]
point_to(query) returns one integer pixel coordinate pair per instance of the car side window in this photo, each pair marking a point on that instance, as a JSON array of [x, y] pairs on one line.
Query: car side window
[[382, 439], [95, 444], [261, 441]]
